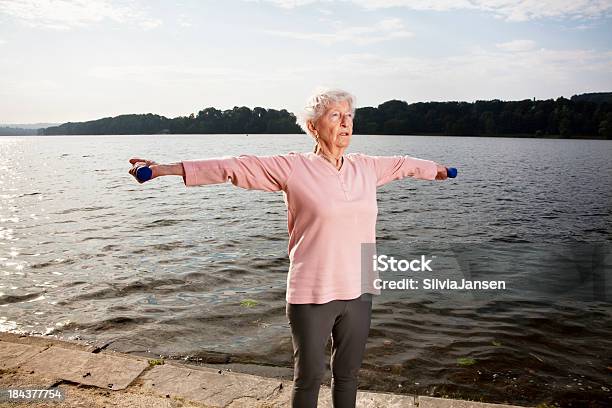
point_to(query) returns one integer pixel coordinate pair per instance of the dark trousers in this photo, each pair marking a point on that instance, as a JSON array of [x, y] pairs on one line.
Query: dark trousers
[[348, 321]]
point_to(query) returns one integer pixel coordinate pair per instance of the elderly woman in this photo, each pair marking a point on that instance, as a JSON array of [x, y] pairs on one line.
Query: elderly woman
[[331, 209]]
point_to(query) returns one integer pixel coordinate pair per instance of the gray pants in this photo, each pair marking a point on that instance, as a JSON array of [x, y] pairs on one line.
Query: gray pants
[[348, 321]]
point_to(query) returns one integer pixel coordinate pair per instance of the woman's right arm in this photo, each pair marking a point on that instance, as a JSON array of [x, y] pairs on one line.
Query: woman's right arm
[[157, 170], [268, 173], [172, 169]]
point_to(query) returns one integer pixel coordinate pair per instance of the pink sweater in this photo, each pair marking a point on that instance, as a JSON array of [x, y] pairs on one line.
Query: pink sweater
[[330, 212]]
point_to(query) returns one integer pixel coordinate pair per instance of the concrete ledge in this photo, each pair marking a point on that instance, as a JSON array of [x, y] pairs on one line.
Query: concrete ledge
[[100, 370], [26, 362], [12, 355], [376, 399], [216, 388]]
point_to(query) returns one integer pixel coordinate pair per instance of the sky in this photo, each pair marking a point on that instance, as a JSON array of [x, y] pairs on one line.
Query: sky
[[78, 60]]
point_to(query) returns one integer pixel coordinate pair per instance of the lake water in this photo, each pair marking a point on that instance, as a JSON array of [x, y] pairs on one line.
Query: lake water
[[88, 253]]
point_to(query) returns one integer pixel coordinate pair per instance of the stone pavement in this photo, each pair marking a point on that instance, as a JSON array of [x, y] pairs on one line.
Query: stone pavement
[[92, 379]]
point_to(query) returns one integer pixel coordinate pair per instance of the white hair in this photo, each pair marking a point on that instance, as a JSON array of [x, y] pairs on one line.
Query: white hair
[[317, 105]]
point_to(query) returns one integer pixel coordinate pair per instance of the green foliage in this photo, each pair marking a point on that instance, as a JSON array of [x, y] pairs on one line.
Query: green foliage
[[248, 303], [582, 116], [596, 97], [466, 361], [605, 127], [154, 362], [207, 121], [547, 405]]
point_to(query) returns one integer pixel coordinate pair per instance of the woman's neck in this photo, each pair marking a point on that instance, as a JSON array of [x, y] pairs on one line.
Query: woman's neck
[[334, 156]]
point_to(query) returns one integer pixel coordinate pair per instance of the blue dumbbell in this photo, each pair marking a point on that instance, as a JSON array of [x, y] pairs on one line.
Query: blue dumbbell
[[451, 172], [144, 173]]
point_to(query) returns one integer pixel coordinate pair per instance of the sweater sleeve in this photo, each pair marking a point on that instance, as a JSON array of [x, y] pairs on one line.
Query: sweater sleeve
[[389, 168], [268, 173]]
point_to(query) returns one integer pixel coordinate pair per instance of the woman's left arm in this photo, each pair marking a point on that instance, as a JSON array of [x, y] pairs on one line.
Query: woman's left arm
[[389, 168], [268, 173]]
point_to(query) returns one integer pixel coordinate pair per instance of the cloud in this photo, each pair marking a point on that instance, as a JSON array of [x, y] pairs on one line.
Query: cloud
[[516, 45], [478, 74], [543, 9], [182, 74], [437, 5], [152, 73], [583, 27], [31, 86], [68, 14], [384, 30], [288, 4], [508, 67], [509, 10], [184, 21]]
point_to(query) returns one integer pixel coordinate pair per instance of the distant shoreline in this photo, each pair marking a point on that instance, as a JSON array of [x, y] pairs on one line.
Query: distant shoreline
[[586, 116], [508, 136]]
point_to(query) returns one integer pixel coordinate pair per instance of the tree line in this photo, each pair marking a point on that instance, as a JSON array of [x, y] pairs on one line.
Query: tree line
[[15, 131], [207, 121], [565, 118], [582, 116]]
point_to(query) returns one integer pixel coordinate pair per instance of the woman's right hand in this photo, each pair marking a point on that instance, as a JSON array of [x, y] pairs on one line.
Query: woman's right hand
[[442, 172], [136, 163]]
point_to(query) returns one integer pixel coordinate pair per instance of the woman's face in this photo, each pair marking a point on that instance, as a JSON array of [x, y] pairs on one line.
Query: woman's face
[[335, 126]]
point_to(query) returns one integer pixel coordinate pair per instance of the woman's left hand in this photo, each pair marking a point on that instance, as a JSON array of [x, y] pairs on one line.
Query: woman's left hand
[[442, 174]]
